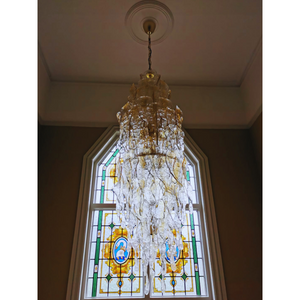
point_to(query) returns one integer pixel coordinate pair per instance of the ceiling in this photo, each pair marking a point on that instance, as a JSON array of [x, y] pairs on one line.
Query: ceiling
[[212, 43]]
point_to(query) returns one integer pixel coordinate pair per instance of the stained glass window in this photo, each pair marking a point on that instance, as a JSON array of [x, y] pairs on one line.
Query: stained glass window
[[112, 270]]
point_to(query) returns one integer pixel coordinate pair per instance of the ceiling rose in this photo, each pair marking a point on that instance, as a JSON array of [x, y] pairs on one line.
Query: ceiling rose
[[149, 10]]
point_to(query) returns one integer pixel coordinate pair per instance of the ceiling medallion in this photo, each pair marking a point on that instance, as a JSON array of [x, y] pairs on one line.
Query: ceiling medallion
[[152, 189], [149, 10]]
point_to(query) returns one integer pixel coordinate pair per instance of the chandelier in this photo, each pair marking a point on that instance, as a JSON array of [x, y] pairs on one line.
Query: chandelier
[[152, 189]]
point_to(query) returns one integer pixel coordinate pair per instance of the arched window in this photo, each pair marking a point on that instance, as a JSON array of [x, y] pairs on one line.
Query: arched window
[[102, 266]]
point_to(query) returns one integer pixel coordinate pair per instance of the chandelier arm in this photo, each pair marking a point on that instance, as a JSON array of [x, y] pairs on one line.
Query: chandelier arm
[[158, 178], [172, 173], [158, 233], [136, 215], [141, 189], [170, 216]]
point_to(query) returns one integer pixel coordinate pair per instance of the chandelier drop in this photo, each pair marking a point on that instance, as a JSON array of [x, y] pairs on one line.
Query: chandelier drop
[[152, 189]]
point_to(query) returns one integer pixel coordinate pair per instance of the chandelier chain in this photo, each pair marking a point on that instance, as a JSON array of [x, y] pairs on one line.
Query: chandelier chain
[[150, 51]]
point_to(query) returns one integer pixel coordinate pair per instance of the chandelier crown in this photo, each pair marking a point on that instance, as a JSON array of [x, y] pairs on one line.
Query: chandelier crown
[[149, 124]]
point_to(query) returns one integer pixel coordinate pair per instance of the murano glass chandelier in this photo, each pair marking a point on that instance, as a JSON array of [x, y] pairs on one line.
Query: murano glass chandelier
[[152, 190]]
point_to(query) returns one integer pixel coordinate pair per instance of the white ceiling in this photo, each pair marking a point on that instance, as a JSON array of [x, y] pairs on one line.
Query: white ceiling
[[212, 42]]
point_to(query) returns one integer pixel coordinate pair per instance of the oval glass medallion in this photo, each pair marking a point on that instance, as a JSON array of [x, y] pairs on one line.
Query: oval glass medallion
[[120, 252], [167, 253]]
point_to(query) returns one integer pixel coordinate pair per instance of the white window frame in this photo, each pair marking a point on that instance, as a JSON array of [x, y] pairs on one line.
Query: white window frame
[[205, 206]]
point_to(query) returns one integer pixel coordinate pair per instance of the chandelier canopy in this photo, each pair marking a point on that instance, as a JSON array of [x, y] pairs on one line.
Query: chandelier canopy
[[152, 189]]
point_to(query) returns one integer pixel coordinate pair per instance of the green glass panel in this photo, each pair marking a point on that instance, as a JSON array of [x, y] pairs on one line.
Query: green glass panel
[[188, 175], [100, 220], [94, 285], [198, 283], [131, 277], [111, 158], [97, 251], [102, 195], [108, 277], [192, 222], [194, 250], [116, 152]]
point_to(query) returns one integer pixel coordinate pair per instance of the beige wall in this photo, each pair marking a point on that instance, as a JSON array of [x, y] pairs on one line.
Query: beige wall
[[61, 151], [237, 196], [44, 86], [256, 135]]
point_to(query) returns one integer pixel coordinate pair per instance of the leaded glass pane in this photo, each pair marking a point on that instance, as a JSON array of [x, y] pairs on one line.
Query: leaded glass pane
[[106, 179], [189, 277], [111, 270]]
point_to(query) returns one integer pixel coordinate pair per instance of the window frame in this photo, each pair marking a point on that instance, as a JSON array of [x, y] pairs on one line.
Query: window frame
[[205, 207]]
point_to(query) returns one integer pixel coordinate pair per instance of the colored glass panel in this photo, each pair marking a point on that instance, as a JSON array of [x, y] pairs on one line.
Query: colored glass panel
[[112, 269], [186, 280]]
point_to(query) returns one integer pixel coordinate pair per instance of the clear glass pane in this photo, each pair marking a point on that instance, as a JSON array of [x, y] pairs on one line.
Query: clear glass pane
[[203, 286], [92, 250], [110, 269], [89, 287], [199, 249]]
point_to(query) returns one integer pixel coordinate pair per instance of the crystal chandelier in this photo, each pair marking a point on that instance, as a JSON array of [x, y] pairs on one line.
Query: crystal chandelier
[[152, 190]]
